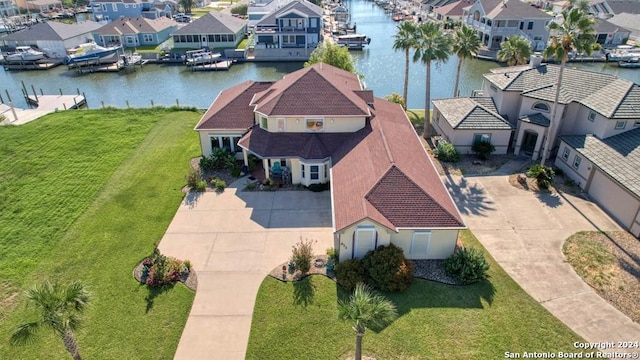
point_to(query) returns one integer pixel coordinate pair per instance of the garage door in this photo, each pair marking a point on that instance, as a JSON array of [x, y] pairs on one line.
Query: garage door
[[614, 199]]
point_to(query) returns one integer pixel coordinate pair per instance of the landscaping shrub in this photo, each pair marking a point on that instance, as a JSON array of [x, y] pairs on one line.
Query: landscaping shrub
[[162, 270], [542, 174], [219, 159], [387, 269], [193, 177], [396, 98], [302, 254], [483, 149], [219, 184], [240, 9], [318, 187], [467, 265], [447, 152], [201, 186], [349, 273], [235, 171]]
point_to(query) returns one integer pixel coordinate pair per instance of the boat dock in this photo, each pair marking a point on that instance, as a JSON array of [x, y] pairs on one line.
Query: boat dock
[[100, 65], [45, 104], [31, 65], [218, 65]]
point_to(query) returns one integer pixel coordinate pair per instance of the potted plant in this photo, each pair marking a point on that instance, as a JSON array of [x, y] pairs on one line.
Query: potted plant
[[332, 258]]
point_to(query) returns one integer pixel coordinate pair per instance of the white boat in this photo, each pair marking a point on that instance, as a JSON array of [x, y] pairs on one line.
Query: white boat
[[631, 63], [623, 53], [353, 41], [127, 60], [25, 53], [197, 57], [91, 52]]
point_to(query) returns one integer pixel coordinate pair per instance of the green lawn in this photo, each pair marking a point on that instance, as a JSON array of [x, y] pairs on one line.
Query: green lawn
[[480, 321], [85, 195]]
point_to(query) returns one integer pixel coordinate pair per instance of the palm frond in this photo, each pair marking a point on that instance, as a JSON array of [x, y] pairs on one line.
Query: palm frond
[[25, 333]]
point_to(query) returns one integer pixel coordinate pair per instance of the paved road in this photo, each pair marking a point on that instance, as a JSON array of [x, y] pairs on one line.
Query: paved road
[[234, 239], [525, 232]]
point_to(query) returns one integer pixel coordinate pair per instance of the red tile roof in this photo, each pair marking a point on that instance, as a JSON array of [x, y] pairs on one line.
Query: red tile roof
[[231, 110], [297, 94]]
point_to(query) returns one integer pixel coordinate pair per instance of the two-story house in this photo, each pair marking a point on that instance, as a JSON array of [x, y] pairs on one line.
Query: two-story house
[[497, 20], [133, 32], [289, 33], [109, 10], [319, 125], [212, 30]]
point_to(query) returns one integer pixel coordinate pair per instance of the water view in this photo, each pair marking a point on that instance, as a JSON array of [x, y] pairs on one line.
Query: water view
[[383, 71]]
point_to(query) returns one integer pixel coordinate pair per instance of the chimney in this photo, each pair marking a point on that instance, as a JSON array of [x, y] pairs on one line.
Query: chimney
[[535, 60]]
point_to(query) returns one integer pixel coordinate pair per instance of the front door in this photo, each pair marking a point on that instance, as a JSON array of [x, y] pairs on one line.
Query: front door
[[529, 142], [364, 240], [203, 41]]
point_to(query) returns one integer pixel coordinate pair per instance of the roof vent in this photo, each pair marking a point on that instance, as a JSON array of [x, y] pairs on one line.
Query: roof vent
[[535, 60]]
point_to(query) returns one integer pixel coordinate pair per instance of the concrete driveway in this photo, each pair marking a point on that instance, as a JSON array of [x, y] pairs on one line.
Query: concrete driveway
[[234, 239], [525, 232]]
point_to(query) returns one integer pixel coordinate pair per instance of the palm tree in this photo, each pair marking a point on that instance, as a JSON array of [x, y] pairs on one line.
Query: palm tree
[[465, 44], [574, 33], [365, 310], [405, 39], [433, 45], [515, 51], [60, 309]]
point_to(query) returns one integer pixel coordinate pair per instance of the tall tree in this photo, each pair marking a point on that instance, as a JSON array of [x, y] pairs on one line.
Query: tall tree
[[405, 39], [332, 54], [364, 309], [60, 310], [465, 44], [574, 33], [433, 45], [515, 51]]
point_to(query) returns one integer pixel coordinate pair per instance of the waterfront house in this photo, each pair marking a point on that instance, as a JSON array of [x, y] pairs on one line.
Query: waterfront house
[[133, 32], [260, 8], [609, 34], [605, 9], [595, 133], [429, 6], [450, 12], [53, 38], [43, 6], [318, 125], [468, 120], [630, 22], [497, 20], [8, 8], [213, 30], [109, 10], [289, 33]]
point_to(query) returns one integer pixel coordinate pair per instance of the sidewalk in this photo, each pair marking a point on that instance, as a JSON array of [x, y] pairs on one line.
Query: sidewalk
[[525, 232]]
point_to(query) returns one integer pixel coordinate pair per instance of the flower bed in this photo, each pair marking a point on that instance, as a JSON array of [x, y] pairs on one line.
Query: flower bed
[[159, 270]]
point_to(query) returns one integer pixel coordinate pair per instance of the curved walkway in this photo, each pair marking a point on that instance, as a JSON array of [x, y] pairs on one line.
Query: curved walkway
[[234, 239], [525, 232]]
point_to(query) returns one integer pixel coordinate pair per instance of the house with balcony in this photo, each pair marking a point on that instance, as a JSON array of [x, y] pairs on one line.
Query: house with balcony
[[134, 32], [291, 32], [8, 8], [109, 10], [213, 30], [497, 20], [594, 137], [318, 125]]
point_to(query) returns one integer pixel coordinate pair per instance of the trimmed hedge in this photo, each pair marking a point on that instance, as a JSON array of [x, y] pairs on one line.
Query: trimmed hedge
[[387, 269], [467, 265], [349, 273]]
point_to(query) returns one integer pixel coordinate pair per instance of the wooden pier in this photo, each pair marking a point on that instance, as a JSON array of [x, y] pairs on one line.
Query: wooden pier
[[45, 104], [31, 65], [218, 65]]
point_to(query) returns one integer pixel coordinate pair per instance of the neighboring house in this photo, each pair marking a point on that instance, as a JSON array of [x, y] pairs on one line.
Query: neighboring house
[[466, 121], [213, 30], [109, 10], [607, 8], [40, 5], [320, 126], [429, 6], [609, 34], [260, 8], [608, 170], [132, 32], [290, 32], [630, 22], [497, 20], [8, 8], [54, 38], [452, 11]]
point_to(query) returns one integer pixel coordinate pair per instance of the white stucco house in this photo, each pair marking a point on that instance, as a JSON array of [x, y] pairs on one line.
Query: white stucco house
[[53, 38], [320, 126]]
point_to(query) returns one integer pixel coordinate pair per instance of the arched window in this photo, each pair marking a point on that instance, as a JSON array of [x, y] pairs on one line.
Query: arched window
[[541, 107]]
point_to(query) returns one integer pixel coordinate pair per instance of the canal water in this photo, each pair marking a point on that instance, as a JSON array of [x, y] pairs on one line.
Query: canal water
[[382, 67]]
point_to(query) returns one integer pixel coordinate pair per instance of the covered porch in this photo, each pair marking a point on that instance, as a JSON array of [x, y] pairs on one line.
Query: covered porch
[[530, 134]]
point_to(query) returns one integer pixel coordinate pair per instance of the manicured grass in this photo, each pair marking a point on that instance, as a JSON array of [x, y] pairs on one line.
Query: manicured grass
[[243, 44], [480, 321], [85, 195]]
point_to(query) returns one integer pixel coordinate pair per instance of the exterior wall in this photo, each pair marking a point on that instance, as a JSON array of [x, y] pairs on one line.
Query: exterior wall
[[507, 102], [196, 40], [345, 238], [106, 11], [579, 175], [205, 135], [331, 124], [442, 243], [463, 139], [615, 199], [523, 127]]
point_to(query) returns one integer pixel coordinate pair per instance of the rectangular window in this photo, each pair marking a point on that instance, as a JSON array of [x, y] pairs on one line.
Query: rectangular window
[[521, 25], [621, 125], [129, 40], [420, 242], [576, 162], [566, 152], [217, 37], [481, 138], [314, 172], [210, 38], [326, 171], [114, 7], [215, 143], [264, 123], [104, 7], [281, 124], [315, 124], [283, 162], [302, 171], [148, 38], [530, 26], [592, 116]]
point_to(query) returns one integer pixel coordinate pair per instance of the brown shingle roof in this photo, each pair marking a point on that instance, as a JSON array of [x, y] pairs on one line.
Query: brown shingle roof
[[231, 110], [298, 94], [299, 145]]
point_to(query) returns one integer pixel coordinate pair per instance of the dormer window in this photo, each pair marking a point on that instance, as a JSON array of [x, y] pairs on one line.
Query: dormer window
[[540, 107], [620, 125], [315, 124]]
